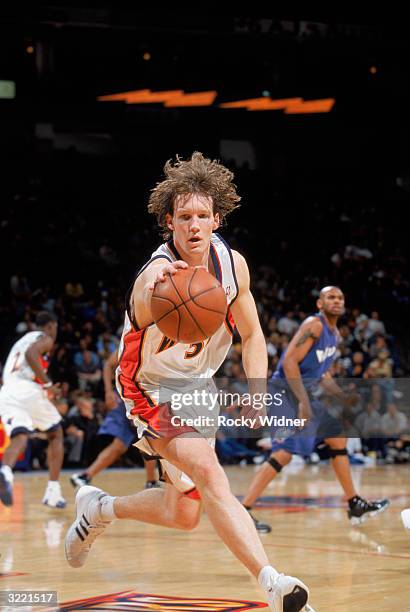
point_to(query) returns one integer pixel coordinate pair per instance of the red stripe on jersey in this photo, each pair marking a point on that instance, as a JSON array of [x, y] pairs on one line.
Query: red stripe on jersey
[[130, 364], [229, 321]]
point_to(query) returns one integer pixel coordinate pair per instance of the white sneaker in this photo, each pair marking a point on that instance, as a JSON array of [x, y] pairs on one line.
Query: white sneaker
[[86, 527], [53, 496], [288, 594]]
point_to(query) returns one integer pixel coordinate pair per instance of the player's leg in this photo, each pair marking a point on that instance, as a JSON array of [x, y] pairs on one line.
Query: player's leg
[[18, 443], [55, 452], [46, 418], [18, 425], [167, 507], [359, 508], [53, 496], [341, 466], [268, 471], [17, 446], [195, 457]]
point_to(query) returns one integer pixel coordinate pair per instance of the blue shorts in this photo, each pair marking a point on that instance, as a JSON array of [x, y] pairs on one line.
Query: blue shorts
[[302, 442], [118, 425]]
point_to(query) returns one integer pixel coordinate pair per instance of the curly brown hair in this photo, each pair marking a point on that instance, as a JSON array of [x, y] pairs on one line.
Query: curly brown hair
[[196, 175]]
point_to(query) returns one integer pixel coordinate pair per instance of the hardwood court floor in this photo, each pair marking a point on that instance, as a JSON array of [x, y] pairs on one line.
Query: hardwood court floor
[[346, 568]]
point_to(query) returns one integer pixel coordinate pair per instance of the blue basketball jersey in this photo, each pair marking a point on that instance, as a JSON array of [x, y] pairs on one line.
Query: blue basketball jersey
[[319, 358]]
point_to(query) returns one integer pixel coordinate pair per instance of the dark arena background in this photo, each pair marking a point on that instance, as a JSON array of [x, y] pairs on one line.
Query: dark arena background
[[311, 114]]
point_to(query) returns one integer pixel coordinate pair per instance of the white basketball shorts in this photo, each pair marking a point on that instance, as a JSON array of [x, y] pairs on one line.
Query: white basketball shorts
[[24, 405]]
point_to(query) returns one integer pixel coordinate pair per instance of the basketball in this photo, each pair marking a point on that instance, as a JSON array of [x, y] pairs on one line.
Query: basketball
[[189, 306]]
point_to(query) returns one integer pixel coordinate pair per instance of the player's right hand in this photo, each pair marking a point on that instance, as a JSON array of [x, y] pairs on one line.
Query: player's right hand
[[168, 268], [305, 412]]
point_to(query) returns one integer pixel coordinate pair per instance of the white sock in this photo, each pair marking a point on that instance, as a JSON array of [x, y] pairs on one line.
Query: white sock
[[107, 508], [267, 577], [53, 483], [7, 471]]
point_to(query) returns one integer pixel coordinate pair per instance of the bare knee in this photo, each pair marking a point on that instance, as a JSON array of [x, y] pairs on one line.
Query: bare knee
[[208, 474], [19, 441], [187, 522], [187, 519]]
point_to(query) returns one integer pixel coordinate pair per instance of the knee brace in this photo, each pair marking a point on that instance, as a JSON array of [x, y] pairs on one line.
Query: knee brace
[[275, 464], [337, 452]]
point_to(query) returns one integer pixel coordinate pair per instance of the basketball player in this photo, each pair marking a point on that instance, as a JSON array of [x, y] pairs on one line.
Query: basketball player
[[119, 427], [301, 368], [25, 406], [190, 203]]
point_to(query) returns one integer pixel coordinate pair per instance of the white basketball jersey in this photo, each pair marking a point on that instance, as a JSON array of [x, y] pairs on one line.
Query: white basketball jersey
[[154, 362], [17, 366]]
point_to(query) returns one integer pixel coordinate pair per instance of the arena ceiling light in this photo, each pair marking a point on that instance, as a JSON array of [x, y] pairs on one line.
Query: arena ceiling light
[[172, 98], [179, 98], [288, 105]]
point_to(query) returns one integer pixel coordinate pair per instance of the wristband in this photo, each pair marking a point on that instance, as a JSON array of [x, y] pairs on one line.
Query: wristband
[[47, 385]]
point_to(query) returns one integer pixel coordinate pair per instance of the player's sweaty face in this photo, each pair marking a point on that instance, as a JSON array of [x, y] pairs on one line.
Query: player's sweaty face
[[193, 222]]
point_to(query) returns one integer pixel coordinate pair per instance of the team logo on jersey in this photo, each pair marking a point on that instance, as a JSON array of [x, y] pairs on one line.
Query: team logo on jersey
[[137, 602], [329, 351], [228, 290]]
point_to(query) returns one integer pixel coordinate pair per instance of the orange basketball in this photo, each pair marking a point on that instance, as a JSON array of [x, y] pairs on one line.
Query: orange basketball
[[189, 306]]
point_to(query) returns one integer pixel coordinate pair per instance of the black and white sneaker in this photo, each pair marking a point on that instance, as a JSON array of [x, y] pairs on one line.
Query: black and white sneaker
[[260, 527], [79, 480], [288, 594], [87, 526], [360, 509]]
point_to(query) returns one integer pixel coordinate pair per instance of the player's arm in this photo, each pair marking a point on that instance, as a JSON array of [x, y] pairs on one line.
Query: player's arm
[[254, 353], [301, 343], [144, 286], [33, 355], [108, 374]]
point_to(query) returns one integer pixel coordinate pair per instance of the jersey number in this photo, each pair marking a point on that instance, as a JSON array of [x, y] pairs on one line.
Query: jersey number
[[193, 351], [16, 364]]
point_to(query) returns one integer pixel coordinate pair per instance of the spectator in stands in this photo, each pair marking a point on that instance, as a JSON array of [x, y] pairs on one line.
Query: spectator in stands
[[287, 324], [377, 344], [393, 421], [369, 424], [106, 345], [88, 369], [375, 325], [382, 366], [81, 427], [357, 368]]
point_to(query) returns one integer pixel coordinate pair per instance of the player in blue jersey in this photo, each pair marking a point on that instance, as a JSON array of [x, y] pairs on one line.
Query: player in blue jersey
[[302, 368], [118, 429]]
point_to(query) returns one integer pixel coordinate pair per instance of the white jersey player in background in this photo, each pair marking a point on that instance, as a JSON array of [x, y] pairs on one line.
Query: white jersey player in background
[[25, 406]]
